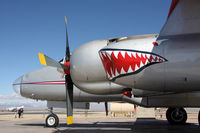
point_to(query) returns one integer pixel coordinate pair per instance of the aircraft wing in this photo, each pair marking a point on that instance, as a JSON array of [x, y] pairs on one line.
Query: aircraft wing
[[183, 18]]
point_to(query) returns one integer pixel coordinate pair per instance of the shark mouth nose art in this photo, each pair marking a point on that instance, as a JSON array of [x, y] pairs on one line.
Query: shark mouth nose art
[[122, 62]]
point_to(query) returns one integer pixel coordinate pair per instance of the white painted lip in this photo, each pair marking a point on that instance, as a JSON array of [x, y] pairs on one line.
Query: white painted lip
[[119, 62]]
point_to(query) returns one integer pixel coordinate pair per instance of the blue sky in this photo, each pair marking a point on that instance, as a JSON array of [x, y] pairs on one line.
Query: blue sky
[[31, 26]]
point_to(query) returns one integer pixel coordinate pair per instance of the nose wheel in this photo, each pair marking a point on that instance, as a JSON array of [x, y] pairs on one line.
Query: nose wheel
[[176, 115], [52, 120]]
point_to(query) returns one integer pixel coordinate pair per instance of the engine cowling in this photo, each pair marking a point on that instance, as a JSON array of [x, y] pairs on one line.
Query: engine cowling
[[87, 71]]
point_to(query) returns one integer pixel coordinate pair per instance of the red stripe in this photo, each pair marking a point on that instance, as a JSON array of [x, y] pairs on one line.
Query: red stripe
[[47, 82], [173, 5]]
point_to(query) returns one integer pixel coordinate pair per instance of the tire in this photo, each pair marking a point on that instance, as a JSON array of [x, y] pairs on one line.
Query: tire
[[52, 120], [176, 115], [168, 113]]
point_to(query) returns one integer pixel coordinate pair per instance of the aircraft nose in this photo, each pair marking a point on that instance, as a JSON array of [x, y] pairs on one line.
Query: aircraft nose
[[17, 85]]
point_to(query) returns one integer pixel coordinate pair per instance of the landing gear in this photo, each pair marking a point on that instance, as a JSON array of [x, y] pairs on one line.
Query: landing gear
[[52, 119], [176, 115]]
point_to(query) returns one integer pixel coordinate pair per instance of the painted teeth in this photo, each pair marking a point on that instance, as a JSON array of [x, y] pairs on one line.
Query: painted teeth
[[112, 73], [129, 54], [103, 54], [118, 60], [116, 73], [146, 62], [139, 54], [130, 70], [136, 67], [134, 54], [147, 55], [122, 71], [141, 64], [108, 53], [108, 76], [116, 54], [123, 53]]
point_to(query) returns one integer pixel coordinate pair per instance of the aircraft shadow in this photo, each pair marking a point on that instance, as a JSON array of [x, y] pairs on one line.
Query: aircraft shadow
[[138, 126], [162, 126]]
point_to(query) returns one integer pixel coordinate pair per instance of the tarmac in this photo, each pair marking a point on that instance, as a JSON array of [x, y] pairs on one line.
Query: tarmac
[[94, 124]]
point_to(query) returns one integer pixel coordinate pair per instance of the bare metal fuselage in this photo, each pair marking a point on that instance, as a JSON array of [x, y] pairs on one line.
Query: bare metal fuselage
[[48, 84], [160, 84], [179, 73]]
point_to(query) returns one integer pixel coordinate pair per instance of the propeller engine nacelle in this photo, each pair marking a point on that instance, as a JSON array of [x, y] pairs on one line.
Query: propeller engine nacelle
[[87, 71]]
